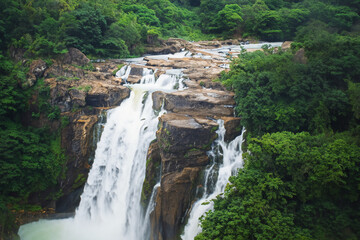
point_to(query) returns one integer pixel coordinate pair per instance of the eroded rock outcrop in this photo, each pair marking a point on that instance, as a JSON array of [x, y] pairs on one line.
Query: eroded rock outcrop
[[185, 135], [200, 72], [200, 102], [36, 71], [76, 139], [169, 46], [152, 175], [73, 87], [75, 57], [183, 142], [80, 90], [135, 75]]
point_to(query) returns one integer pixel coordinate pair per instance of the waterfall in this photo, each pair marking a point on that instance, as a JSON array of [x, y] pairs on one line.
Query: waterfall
[[110, 204], [124, 72], [226, 159]]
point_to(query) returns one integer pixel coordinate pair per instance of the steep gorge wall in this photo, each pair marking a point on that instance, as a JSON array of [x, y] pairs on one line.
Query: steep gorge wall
[[82, 91]]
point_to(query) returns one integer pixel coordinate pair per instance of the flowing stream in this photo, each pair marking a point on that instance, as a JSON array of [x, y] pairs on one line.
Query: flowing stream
[[226, 159], [110, 204]]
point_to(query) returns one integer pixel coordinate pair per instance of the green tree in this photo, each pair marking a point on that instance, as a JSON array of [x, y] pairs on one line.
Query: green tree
[[12, 99], [129, 31], [208, 12], [268, 25], [84, 28], [292, 185], [113, 45], [354, 92], [276, 92], [229, 19], [144, 15]]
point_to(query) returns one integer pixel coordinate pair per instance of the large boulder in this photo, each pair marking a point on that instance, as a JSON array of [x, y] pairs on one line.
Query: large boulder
[[183, 142], [232, 127], [136, 73], [66, 98], [186, 137], [74, 57], [172, 200], [107, 96], [286, 45]]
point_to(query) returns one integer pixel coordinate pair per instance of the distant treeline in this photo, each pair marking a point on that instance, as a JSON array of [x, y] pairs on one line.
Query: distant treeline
[[118, 28]]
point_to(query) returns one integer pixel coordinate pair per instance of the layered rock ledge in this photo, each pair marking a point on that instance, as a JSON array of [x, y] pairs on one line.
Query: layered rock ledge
[[186, 132], [80, 90]]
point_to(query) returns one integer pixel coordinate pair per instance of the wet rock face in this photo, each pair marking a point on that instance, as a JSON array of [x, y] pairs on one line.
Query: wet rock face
[[183, 142], [233, 128], [171, 203], [76, 139], [184, 137], [79, 94], [152, 175]]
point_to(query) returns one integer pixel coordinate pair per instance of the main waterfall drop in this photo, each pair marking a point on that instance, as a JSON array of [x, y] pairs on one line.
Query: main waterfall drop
[[110, 204]]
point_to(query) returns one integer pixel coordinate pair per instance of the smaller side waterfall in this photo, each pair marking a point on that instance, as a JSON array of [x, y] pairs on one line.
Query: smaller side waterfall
[[124, 72], [226, 159]]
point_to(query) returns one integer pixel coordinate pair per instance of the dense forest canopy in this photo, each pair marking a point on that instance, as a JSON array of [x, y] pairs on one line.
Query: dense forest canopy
[[120, 27], [301, 113]]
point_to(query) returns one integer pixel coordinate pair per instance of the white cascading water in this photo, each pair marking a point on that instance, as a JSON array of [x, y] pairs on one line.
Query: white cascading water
[[110, 204], [124, 72], [231, 155]]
